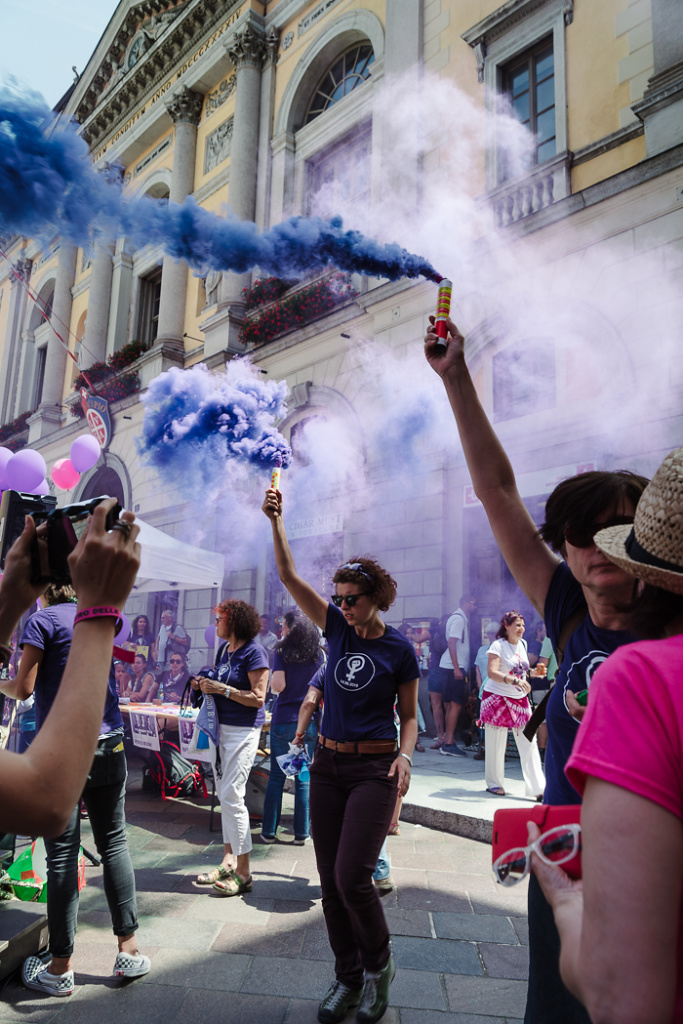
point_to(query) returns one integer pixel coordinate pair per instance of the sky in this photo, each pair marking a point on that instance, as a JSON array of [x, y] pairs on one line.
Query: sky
[[43, 39]]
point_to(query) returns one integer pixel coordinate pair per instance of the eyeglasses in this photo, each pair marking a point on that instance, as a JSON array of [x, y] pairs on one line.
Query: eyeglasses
[[555, 847], [219, 617], [176, 661], [350, 599], [581, 536], [355, 567]]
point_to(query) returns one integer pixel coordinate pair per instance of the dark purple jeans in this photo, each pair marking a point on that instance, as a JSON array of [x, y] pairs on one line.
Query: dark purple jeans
[[352, 802]]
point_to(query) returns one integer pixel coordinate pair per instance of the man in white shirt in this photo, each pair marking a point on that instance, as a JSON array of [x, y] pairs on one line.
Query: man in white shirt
[[454, 666], [172, 638]]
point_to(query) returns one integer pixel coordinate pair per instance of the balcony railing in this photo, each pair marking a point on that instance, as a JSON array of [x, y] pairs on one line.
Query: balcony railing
[[544, 185]]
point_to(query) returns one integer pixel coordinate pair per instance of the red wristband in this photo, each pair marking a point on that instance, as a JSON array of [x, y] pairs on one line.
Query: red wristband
[[101, 612]]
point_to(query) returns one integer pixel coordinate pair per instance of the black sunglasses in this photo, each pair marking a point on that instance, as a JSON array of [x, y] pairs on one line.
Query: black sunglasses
[[582, 536], [351, 599], [355, 567]]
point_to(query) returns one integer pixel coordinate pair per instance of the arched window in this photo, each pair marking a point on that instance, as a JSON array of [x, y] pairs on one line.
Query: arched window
[[347, 72]]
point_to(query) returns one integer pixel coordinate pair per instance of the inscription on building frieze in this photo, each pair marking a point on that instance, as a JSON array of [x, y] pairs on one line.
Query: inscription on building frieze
[[157, 151], [315, 15], [218, 145]]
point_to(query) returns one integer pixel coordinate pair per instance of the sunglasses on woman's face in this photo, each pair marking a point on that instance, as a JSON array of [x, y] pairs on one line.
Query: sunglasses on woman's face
[[350, 599], [582, 536]]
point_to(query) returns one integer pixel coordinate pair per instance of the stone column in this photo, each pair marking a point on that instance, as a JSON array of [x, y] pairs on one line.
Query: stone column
[[264, 161], [661, 108], [99, 299], [48, 418], [185, 108], [119, 306], [247, 50], [11, 352]]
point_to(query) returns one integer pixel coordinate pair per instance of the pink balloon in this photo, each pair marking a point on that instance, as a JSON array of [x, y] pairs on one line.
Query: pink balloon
[[42, 488], [5, 455], [85, 451], [25, 470], [210, 636], [64, 475]]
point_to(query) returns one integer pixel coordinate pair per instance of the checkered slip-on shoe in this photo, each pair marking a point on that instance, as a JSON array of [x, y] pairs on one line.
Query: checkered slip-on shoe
[[35, 976], [129, 966]]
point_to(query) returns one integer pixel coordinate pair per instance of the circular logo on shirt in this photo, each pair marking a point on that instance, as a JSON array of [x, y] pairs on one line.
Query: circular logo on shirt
[[354, 671]]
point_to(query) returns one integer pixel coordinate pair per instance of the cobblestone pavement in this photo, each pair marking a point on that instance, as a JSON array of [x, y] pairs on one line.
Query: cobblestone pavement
[[459, 940]]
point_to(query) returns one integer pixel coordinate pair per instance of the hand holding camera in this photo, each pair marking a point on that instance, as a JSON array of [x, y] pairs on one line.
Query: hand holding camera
[[105, 561]]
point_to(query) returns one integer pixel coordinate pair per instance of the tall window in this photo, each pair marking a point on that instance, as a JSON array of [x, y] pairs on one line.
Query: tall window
[[39, 377], [529, 82], [339, 178], [347, 72], [150, 294]]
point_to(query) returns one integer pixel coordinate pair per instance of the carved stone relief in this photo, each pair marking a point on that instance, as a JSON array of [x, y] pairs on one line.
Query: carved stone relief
[[218, 145], [224, 91]]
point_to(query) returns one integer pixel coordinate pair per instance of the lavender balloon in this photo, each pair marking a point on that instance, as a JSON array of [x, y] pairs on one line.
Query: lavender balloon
[[124, 631], [5, 455], [25, 470], [85, 451], [210, 636], [42, 488]]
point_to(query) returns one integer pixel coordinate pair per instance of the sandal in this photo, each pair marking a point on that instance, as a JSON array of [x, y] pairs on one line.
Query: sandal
[[233, 885], [496, 791], [394, 829], [213, 876], [418, 746]]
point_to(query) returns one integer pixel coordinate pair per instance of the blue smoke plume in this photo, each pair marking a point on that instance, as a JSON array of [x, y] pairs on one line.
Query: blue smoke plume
[[48, 186], [197, 424]]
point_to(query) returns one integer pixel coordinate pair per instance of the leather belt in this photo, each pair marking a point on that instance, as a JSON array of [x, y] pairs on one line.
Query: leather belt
[[359, 747]]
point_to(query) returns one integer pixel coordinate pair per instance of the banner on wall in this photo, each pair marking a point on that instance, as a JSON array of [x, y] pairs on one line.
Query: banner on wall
[[96, 410]]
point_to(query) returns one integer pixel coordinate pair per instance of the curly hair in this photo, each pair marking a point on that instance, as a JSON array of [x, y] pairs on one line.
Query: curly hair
[[584, 497], [508, 619], [243, 619], [135, 628], [302, 642], [371, 578]]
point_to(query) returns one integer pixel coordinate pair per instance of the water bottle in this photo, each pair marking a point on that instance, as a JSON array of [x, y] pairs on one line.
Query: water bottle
[[304, 774]]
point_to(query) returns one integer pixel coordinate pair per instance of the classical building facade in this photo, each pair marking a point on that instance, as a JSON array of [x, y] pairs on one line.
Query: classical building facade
[[565, 252]]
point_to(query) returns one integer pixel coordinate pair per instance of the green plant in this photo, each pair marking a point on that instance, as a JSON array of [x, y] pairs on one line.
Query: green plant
[[127, 355], [106, 384], [265, 290], [297, 309], [17, 426]]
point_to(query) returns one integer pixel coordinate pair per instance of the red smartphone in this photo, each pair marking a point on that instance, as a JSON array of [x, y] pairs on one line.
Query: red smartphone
[[510, 831]]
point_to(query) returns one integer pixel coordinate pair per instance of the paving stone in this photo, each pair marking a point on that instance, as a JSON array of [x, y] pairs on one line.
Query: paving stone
[[253, 940], [431, 1017], [192, 934], [165, 904], [316, 946], [498, 997], [417, 989], [307, 979], [475, 927], [446, 955], [221, 971], [305, 1011], [409, 922], [420, 899], [199, 1007], [505, 961], [288, 914], [231, 910], [521, 926], [129, 1001]]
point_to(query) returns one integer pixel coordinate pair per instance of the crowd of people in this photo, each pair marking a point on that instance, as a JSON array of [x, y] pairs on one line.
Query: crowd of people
[[604, 570]]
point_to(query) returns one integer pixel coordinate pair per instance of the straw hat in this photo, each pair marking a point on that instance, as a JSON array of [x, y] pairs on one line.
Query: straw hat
[[652, 549]]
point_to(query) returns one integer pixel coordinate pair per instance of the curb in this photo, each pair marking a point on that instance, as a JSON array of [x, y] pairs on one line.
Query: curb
[[448, 821]]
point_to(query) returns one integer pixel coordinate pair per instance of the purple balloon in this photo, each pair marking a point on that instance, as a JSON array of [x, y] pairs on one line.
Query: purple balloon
[[42, 488], [5, 456], [124, 632], [25, 470], [85, 451], [210, 636]]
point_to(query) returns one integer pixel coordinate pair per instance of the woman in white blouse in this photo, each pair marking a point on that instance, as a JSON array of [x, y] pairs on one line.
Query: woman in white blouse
[[505, 705]]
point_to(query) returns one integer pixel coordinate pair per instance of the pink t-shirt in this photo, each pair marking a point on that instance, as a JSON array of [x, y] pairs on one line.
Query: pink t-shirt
[[632, 734]]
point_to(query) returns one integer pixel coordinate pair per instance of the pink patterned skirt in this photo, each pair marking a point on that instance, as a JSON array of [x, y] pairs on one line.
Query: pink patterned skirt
[[505, 712]]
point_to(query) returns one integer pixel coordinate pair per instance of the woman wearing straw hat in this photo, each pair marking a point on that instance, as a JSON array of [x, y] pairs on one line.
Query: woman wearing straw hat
[[581, 599], [621, 927]]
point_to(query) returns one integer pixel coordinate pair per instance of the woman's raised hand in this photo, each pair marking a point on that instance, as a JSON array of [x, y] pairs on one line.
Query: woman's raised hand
[[272, 503], [440, 359]]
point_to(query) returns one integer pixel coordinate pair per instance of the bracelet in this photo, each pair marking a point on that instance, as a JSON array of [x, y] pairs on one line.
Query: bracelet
[[299, 734], [407, 757], [228, 691], [101, 612]]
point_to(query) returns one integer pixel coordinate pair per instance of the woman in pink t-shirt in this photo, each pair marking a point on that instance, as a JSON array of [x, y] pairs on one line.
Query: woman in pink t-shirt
[[622, 927]]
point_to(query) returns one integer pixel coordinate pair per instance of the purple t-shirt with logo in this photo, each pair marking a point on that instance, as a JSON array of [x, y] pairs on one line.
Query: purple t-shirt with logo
[[362, 678], [51, 630], [234, 670]]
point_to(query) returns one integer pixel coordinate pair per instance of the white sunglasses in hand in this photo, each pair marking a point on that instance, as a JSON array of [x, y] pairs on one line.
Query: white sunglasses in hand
[[555, 847]]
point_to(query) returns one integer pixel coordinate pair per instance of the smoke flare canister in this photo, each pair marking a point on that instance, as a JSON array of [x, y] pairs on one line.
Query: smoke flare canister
[[275, 477], [443, 309]]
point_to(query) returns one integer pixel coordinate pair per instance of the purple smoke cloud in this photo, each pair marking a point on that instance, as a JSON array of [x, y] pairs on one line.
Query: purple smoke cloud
[[196, 422], [48, 186]]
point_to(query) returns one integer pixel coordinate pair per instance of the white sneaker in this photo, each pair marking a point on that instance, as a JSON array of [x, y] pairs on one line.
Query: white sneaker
[[34, 975], [128, 966]]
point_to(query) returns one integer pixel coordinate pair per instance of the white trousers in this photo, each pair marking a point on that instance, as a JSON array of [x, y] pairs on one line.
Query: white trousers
[[495, 742], [238, 746]]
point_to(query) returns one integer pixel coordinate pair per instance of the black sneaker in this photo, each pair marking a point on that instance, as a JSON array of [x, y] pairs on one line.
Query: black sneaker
[[337, 1002], [376, 995]]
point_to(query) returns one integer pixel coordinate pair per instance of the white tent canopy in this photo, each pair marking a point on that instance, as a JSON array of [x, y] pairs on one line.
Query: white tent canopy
[[167, 563]]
